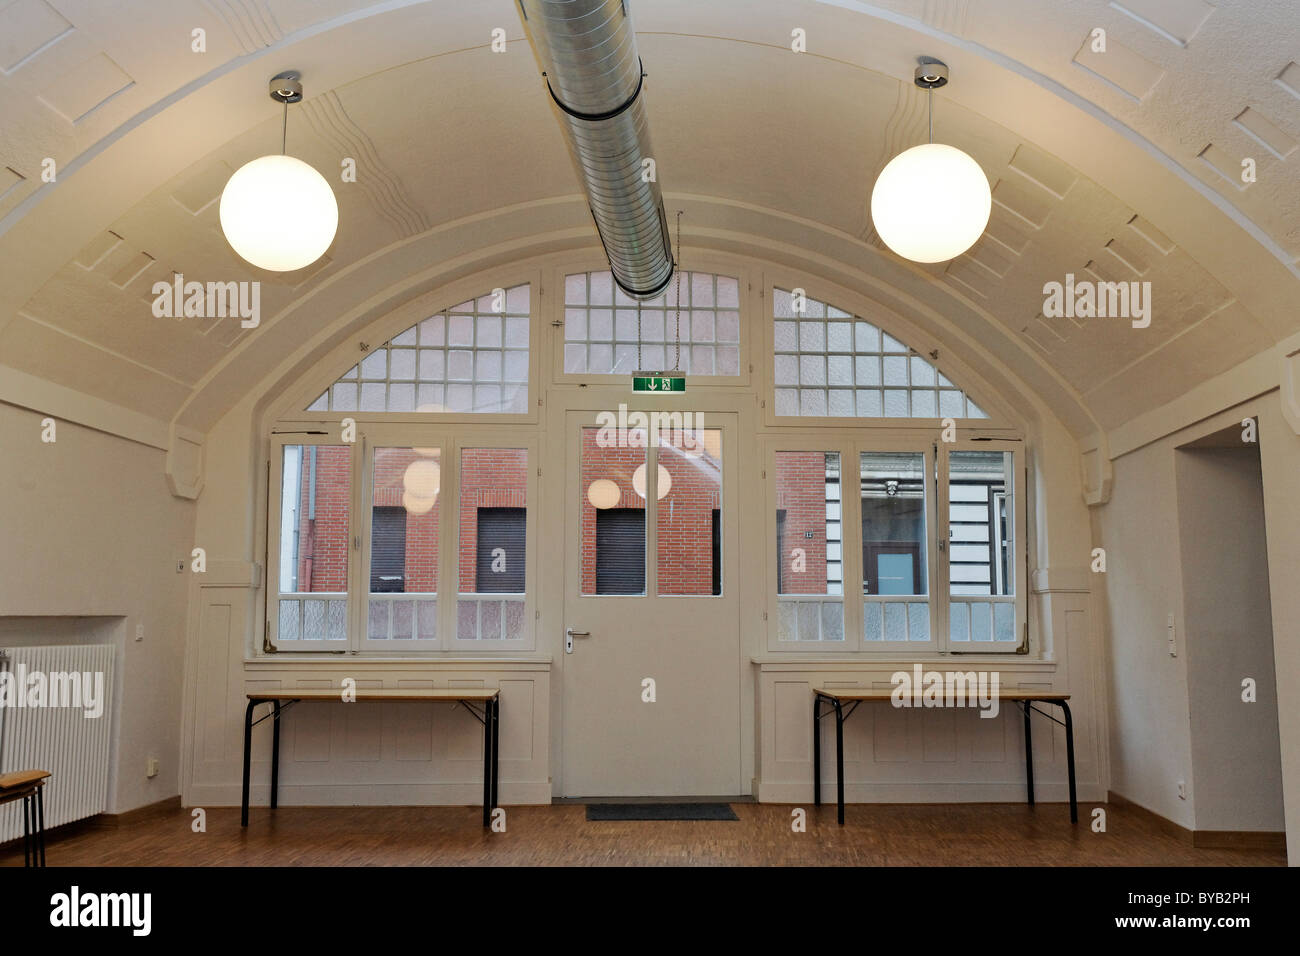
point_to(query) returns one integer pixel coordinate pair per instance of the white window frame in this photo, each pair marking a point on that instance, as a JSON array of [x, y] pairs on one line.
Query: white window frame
[[850, 445], [279, 441], [701, 262], [1020, 548]]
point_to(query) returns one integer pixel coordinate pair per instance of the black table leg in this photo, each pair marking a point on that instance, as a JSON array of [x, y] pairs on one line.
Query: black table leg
[[817, 750], [27, 831], [1069, 757], [275, 759], [496, 752], [487, 763], [248, 748], [1029, 754], [839, 755], [40, 820]]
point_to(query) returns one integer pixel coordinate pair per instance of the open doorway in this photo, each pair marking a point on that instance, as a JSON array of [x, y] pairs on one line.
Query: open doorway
[[1232, 697]]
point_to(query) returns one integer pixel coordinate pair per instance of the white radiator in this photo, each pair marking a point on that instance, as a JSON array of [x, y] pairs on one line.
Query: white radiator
[[58, 736]]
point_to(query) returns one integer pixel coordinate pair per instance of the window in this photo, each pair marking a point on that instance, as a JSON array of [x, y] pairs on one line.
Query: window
[[361, 529], [933, 512], [830, 363], [613, 511], [895, 568], [981, 564], [472, 357], [311, 590], [689, 543], [492, 539], [601, 333], [810, 604]]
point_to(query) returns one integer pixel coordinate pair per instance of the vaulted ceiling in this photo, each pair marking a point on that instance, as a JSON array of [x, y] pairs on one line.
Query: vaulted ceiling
[[1122, 165]]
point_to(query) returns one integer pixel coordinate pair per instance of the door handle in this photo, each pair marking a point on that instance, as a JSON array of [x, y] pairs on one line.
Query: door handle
[[569, 635]]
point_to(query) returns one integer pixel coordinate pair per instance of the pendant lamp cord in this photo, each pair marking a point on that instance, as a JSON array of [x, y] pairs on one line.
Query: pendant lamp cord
[[677, 333], [284, 128], [930, 99]]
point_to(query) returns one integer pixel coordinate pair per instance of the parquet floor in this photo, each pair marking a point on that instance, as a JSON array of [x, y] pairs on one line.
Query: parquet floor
[[874, 835]]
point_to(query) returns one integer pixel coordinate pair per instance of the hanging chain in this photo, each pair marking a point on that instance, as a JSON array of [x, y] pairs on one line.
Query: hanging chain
[[639, 366], [677, 333]]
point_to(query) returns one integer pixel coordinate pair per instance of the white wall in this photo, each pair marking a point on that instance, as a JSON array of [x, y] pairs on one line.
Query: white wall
[[1236, 766], [1151, 735], [90, 529]]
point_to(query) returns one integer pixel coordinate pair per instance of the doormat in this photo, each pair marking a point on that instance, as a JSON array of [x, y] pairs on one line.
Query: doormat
[[660, 811]]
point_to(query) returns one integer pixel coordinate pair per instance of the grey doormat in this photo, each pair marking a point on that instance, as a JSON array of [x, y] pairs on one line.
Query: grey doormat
[[660, 811]]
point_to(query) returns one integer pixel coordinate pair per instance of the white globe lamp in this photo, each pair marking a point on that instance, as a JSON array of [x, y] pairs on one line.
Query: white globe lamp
[[277, 212], [932, 202]]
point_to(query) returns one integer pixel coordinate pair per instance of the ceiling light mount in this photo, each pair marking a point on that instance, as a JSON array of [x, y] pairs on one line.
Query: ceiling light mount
[[931, 75], [286, 87]]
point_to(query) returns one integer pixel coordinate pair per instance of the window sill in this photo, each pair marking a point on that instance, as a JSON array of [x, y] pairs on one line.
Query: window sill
[[358, 662], [876, 662]]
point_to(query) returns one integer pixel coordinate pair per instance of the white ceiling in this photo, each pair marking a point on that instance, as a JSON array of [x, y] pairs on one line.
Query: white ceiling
[[1123, 165]]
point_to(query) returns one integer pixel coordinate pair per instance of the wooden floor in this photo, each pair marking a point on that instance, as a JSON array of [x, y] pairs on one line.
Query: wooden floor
[[874, 835]]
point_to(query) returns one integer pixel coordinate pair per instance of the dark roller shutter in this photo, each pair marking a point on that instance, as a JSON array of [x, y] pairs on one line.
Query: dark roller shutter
[[503, 528], [620, 551], [388, 551]]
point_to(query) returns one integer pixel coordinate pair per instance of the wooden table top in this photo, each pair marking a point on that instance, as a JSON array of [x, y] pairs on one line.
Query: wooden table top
[[876, 693], [380, 693]]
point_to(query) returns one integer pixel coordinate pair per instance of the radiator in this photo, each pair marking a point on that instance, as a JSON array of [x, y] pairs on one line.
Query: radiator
[[73, 747]]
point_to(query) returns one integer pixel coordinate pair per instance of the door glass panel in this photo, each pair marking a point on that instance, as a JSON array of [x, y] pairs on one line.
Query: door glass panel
[[981, 568], [405, 504], [690, 511], [315, 500], [809, 558], [493, 535], [612, 487]]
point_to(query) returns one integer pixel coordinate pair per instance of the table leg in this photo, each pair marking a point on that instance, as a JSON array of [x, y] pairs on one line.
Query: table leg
[[40, 820], [817, 750], [487, 763], [1029, 754], [275, 758], [496, 752], [248, 748], [1069, 756], [839, 756], [27, 831]]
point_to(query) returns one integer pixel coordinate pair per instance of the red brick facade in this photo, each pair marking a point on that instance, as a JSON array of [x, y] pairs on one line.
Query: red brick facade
[[489, 478], [801, 494]]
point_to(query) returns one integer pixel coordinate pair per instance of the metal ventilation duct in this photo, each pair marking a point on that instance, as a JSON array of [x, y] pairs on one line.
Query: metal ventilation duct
[[587, 49]]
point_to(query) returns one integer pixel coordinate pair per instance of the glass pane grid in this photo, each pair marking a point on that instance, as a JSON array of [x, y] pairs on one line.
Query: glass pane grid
[[600, 326], [489, 617], [472, 357], [829, 363]]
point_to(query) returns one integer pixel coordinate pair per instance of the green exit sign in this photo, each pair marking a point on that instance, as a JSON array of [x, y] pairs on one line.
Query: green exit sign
[[662, 382]]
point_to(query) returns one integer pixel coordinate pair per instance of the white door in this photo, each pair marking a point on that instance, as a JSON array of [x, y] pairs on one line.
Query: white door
[[652, 692]]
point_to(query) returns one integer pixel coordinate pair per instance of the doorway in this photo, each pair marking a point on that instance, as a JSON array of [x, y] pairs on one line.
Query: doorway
[[652, 667], [1232, 697]]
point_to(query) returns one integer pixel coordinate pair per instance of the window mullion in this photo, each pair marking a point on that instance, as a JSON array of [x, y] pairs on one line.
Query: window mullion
[[940, 590]]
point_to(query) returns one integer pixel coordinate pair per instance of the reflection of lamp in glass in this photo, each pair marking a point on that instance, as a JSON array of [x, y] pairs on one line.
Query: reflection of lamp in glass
[[603, 493], [418, 506], [422, 479], [665, 481]]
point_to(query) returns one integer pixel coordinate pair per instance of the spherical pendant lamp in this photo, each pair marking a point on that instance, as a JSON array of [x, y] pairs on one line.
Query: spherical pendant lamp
[[932, 202], [277, 212]]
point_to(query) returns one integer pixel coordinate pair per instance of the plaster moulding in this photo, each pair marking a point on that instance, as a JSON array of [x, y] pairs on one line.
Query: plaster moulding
[[184, 466], [1098, 475], [1289, 379]]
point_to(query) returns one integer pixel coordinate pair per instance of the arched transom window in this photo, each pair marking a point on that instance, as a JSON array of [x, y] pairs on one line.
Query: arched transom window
[[831, 363], [472, 357]]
